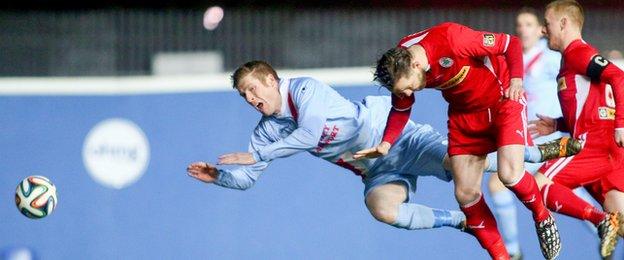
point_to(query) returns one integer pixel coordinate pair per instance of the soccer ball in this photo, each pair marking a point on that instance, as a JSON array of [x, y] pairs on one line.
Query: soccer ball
[[35, 197]]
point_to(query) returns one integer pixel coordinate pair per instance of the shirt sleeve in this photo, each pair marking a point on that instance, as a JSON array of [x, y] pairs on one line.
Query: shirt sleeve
[[467, 42], [587, 62], [310, 99], [397, 118], [561, 125], [242, 178]]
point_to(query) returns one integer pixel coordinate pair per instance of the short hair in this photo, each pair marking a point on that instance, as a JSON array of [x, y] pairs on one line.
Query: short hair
[[393, 64], [531, 11], [570, 7], [257, 68]]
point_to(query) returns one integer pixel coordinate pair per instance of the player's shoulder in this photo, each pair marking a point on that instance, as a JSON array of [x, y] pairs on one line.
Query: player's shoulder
[[415, 38], [578, 55], [303, 86], [300, 83], [579, 49]]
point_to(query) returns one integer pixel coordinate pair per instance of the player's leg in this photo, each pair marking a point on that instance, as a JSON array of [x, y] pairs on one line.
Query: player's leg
[[584, 195], [511, 137], [557, 178], [419, 151], [541, 153], [523, 185], [505, 212], [614, 202], [512, 174], [387, 203], [561, 147], [561, 199], [467, 175], [612, 186]]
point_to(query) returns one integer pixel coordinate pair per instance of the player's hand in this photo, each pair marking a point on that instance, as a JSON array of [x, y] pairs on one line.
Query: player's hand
[[515, 90], [544, 125], [203, 172], [381, 150], [237, 158], [619, 137]]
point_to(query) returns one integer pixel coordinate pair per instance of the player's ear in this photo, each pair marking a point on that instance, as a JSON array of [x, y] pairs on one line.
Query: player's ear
[[563, 22], [270, 80]]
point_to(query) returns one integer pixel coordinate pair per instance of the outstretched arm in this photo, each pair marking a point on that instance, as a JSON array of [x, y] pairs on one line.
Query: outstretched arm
[[240, 178]]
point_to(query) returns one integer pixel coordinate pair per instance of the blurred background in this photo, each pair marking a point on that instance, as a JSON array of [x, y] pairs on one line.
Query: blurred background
[[135, 37], [112, 99]]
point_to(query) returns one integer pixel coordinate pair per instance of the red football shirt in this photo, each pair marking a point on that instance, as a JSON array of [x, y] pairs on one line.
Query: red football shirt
[[591, 90], [471, 68]]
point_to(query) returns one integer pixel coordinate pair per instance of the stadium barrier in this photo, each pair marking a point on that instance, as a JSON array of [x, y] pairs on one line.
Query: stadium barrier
[[117, 149]]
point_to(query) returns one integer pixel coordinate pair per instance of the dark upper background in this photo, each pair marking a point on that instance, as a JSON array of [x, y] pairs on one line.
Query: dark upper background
[[123, 37], [103, 4]]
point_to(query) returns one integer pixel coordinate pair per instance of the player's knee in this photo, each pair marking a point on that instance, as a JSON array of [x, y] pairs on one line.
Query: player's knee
[[541, 180], [466, 195], [384, 214], [494, 184], [510, 173]]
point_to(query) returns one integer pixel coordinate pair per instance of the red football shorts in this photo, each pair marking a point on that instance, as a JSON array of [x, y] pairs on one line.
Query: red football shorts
[[599, 166], [482, 132]]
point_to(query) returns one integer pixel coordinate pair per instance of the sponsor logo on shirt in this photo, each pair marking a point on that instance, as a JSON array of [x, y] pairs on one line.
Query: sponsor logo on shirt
[[488, 40], [455, 80], [606, 113], [327, 137]]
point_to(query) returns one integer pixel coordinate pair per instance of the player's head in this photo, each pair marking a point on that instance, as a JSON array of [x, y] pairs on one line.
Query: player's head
[[398, 72], [563, 19], [528, 27], [258, 83]]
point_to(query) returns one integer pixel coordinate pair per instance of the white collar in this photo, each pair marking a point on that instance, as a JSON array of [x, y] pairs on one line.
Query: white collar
[[284, 85]]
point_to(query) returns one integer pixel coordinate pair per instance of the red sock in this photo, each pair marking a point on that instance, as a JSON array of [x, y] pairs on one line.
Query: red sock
[[526, 190], [482, 224], [561, 199]]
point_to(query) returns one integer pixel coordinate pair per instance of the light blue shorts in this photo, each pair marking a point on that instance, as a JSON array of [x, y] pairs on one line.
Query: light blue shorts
[[420, 151]]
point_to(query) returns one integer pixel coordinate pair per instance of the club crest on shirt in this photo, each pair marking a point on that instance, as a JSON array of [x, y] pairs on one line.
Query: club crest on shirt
[[445, 62], [488, 40]]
